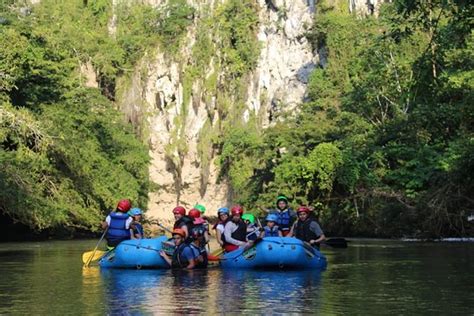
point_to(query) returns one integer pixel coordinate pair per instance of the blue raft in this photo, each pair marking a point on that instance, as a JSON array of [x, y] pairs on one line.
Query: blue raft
[[269, 253], [276, 253], [136, 254]]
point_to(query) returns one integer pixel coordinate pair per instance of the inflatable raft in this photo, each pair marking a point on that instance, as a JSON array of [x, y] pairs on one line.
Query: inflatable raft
[[275, 253], [136, 254], [269, 253]]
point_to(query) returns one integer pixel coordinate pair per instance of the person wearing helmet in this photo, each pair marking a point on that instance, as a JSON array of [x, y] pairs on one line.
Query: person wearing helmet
[[235, 231], [198, 234], [136, 228], [118, 223], [198, 211], [271, 229], [200, 224], [307, 228], [252, 230], [286, 216], [223, 217], [194, 213], [184, 256], [200, 208], [182, 221]]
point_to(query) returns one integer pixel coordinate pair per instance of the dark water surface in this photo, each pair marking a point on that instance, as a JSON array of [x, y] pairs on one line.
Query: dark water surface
[[368, 278]]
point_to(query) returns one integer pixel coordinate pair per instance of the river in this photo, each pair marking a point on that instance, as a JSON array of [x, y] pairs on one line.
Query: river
[[370, 277]]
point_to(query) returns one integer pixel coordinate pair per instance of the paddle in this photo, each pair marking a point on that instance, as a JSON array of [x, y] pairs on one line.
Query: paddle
[[92, 256], [217, 252], [165, 228], [336, 242]]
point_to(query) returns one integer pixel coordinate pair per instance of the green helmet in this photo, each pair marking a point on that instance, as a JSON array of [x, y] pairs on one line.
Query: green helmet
[[282, 198], [200, 208], [249, 217]]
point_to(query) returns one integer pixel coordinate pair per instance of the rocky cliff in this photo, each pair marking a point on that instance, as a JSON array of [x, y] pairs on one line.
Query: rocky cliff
[[183, 164], [155, 94]]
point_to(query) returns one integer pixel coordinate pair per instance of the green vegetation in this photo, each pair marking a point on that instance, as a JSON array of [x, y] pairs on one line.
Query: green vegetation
[[226, 40], [66, 155], [385, 144]]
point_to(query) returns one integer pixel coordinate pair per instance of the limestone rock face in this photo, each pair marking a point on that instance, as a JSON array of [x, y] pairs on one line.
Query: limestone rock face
[[366, 7], [286, 58], [155, 95]]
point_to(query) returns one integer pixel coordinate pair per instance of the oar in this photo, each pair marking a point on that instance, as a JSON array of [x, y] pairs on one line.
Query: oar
[[87, 262], [336, 242], [90, 256], [164, 227], [217, 252]]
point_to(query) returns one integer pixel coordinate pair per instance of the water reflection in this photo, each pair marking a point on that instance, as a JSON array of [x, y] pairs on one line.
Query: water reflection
[[373, 278], [214, 290], [128, 291], [269, 291]]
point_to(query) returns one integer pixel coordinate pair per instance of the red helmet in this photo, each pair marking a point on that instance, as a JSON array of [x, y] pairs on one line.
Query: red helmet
[[194, 213], [303, 209], [179, 231], [179, 210], [124, 205], [237, 210]]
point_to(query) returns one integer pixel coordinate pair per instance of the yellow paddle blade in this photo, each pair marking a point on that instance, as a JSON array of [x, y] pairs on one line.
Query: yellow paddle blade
[[89, 256], [217, 252]]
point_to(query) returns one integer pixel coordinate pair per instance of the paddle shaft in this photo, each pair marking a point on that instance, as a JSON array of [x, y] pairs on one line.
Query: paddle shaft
[[336, 242], [165, 228], [97, 246]]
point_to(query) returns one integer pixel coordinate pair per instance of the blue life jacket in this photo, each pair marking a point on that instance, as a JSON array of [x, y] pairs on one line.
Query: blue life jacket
[[178, 261], [138, 229], [117, 231], [271, 232], [285, 220]]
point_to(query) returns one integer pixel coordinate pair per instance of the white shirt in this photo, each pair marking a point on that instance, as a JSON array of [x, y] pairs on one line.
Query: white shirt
[[220, 228], [229, 228]]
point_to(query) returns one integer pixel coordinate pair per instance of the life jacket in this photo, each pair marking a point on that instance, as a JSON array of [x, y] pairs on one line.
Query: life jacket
[[185, 220], [271, 232], [138, 229], [239, 234], [117, 231], [303, 232], [203, 227], [178, 261], [285, 220]]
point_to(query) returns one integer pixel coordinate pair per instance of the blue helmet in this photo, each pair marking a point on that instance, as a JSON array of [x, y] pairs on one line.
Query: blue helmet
[[223, 210], [135, 211], [271, 218]]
